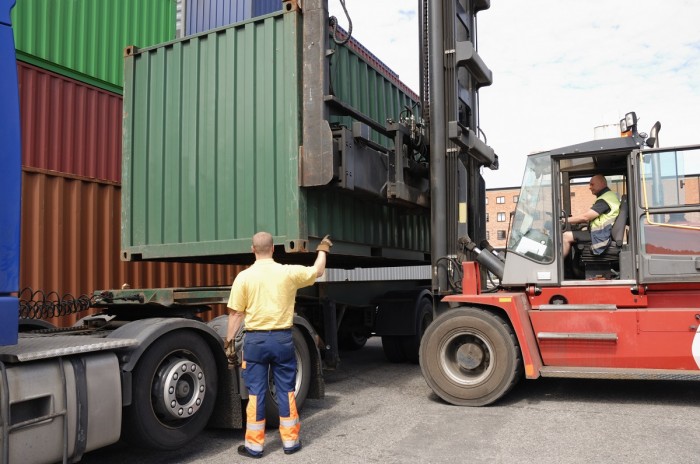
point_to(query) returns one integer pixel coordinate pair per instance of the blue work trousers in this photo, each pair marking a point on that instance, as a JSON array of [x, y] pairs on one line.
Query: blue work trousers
[[270, 351], [263, 352]]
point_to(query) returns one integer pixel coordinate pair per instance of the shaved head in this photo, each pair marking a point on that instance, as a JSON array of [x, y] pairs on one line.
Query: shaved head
[[597, 183], [262, 243], [601, 178]]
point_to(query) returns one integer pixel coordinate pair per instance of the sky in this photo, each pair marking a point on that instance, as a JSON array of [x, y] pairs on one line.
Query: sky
[[560, 68]]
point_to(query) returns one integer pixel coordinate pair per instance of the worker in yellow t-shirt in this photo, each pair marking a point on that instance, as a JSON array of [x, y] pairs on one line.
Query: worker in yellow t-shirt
[[263, 295]]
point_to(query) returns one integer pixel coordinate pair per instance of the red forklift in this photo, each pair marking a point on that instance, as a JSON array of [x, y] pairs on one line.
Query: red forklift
[[632, 312]]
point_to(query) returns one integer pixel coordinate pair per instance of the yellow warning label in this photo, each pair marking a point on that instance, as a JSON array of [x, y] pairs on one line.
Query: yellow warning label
[[505, 300], [463, 213]]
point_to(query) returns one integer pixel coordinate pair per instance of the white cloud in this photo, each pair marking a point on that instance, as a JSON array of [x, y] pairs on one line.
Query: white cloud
[[561, 67]]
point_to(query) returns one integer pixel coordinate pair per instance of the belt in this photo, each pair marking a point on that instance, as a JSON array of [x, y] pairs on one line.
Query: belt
[[270, 330]]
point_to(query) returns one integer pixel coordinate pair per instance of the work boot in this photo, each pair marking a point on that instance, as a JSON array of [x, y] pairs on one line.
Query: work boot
[[293, 450], [243, 451]]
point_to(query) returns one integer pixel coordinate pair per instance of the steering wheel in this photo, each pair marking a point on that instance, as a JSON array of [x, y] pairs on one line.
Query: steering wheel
[[565, 217]]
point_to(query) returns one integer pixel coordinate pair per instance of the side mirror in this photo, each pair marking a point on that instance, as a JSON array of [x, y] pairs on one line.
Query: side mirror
[[653, 140]]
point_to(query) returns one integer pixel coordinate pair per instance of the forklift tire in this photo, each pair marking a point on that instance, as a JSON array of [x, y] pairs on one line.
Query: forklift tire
[[470, 357], [303, 380], [175, 378]]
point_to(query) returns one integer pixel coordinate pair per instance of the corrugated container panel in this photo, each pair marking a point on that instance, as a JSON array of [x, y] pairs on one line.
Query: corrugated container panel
[[203, 15], [86, 38], [69, 126], [367, 89], [370, 58], [211, 133], [263, 7], [70, 243], [361, 220], [211, 150], [377, 274]]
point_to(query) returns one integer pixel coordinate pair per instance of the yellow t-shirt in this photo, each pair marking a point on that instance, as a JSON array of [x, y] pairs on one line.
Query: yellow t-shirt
[[266, 292]]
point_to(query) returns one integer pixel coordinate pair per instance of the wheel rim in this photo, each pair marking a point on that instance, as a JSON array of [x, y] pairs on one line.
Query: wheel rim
[[467, 357], [179, 388], [297, 379]]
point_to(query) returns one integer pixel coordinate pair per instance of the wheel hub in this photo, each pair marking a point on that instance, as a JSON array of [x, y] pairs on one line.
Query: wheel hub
[[469, 356], [466, 358], [183, 389]]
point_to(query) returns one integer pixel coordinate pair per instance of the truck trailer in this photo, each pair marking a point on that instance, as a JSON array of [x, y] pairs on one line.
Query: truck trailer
[[275, 124]]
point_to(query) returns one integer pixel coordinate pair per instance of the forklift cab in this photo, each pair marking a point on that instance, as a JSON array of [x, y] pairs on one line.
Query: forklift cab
[[656, 237]]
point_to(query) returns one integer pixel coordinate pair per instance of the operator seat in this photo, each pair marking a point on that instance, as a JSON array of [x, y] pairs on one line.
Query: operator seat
[[595, 264]]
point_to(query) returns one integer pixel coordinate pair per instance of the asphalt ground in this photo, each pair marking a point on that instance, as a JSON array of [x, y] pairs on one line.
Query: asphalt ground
[[377, 412]]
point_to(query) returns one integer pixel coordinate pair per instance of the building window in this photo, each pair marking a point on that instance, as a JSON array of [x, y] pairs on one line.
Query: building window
[[500, 200], [501, 234], [573, 194], [515, 198], [501, 217], [487, 217], [487, 200], [488, 235]]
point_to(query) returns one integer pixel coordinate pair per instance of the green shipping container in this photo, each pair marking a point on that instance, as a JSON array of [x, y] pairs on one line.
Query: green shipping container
[[85, 39], [212, 134]]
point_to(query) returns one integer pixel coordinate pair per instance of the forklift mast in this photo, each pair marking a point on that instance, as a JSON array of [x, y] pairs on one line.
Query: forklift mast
[[452, 72]]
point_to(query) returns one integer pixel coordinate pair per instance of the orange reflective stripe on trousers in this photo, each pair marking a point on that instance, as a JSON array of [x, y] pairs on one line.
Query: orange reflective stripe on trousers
[[289, 426], [254, 430]]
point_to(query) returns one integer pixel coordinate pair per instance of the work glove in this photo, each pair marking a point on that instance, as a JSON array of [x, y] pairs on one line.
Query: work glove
[[325, 244], [230, 350]]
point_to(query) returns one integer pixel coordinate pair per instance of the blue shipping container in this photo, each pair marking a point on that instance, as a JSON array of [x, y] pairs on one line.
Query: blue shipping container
[[263, 7], [10, 191], [204, 15]]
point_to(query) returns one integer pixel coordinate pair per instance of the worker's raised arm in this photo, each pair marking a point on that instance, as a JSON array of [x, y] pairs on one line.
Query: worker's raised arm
[[323, 249]]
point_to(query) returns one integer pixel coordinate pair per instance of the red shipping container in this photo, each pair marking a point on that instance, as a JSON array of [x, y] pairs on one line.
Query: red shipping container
[[68, 126], [70, 243]]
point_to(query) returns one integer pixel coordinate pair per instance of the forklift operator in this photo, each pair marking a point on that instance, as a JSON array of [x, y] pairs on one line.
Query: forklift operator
[[600, 218]]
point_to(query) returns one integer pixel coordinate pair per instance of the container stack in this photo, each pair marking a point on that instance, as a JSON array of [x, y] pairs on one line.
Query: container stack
[[70, 72], [71, 66]]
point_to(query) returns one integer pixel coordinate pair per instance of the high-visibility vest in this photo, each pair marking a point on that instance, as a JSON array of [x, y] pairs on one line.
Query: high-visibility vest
[[601, 227]]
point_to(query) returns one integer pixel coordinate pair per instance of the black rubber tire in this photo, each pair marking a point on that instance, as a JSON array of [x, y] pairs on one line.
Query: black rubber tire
[[272, 418], [351, 341], [470, 357], [393, 348], [411, 343], [143, 425]]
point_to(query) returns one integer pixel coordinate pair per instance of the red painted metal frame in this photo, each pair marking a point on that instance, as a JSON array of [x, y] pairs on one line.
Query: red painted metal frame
[[515, 306], [653, 327], [622, 296]]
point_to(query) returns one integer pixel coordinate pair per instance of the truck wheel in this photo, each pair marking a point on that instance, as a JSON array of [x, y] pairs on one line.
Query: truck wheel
[[470, 357], [351, 341], [393, 348], [411, 343], [301, 387], [173, 393]]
